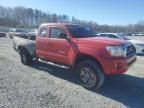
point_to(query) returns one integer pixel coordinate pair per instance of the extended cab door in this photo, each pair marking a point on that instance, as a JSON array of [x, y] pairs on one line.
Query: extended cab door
[[41, 43], [59, 47]]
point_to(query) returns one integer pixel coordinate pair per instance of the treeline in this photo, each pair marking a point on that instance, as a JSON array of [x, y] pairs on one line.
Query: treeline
[[32, 18]]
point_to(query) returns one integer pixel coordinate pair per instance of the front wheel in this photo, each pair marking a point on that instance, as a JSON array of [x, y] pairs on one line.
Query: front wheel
[[90, 74]]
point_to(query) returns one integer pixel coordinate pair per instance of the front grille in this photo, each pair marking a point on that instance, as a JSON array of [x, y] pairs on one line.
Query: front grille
[[130, 50]]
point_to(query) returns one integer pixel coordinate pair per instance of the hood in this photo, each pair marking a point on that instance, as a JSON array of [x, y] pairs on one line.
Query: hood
[[136, 41], [21, 34], [101, 41]]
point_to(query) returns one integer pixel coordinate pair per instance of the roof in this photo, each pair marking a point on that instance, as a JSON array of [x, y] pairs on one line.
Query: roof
[[63, 24], [107, 33]]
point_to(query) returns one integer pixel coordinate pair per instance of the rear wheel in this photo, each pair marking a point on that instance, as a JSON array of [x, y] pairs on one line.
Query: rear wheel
[[90, 74], [26, 58]]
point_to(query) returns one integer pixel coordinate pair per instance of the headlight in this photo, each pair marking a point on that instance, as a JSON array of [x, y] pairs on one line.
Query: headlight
[[116, 51]]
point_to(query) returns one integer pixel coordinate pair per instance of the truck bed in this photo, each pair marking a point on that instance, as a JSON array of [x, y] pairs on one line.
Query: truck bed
[[27, 42]]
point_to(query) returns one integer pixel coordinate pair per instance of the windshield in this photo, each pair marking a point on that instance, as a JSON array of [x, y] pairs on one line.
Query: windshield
[[79, 31], [20, 31], [123, 37]]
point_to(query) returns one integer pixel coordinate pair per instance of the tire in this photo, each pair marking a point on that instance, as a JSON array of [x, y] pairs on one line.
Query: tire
[[90, 74], [26, 58]]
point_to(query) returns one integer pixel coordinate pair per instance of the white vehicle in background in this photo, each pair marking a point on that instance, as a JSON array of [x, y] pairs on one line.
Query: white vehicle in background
[[17, 32], [139, 45], [33, 32]]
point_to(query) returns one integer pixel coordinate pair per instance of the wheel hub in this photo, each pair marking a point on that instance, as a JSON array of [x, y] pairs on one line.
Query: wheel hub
[[87, 76]]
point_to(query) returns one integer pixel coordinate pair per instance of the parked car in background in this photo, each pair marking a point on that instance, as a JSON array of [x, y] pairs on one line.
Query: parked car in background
[[129, 34], [17, 32], [138, 34], [2, 33], [139, 45], [33, 32]]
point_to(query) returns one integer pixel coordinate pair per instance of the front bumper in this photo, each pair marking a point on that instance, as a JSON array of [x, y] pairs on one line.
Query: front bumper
[[118, 66]]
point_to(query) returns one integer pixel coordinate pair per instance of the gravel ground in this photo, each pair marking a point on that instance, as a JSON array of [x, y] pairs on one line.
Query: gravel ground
[[47, 86]]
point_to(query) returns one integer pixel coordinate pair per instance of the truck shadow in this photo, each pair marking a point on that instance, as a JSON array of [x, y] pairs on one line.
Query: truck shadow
[[57, 71], [126, 89]]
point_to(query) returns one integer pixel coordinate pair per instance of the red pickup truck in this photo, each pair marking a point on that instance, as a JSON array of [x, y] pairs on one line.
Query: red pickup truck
[[78, 47]]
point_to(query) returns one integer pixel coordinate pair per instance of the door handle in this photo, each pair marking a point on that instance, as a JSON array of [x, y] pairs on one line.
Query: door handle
[[50, 44]]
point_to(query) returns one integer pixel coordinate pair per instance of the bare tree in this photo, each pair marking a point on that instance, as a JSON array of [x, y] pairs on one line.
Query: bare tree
[[28, 17]]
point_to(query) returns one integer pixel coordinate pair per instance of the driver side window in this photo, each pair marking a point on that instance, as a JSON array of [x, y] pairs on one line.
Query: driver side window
[[56, 32]]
